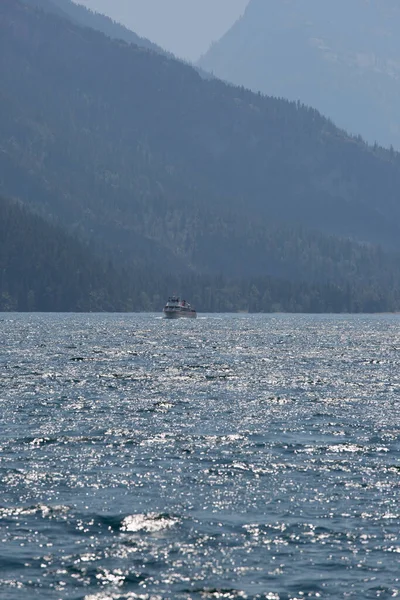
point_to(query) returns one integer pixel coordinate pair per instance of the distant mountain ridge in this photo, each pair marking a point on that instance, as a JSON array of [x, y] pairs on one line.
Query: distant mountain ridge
[[174, 174], [341, 57]]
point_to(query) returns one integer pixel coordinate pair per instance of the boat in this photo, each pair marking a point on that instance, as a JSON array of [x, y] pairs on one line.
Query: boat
[[177, 308]]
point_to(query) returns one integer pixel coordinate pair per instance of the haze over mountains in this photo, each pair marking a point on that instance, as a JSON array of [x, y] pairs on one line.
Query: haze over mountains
[[183, 27], [341, 57], [244, 201]]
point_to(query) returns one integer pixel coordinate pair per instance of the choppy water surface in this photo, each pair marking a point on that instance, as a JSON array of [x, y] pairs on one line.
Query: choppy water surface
[[229, 457]]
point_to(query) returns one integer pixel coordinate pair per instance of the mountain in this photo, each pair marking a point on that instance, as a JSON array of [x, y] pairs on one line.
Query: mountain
[[179, 179], [81, 15], [341, 57]]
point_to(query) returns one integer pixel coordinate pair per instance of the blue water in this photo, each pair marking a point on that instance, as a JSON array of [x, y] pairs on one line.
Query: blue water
[[228, 457]]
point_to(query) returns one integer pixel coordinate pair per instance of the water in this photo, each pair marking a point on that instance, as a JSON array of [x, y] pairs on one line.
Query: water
[[229, 457]]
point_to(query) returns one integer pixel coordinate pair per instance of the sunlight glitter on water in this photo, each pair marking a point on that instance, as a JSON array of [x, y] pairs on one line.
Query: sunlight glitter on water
[[232, 457]]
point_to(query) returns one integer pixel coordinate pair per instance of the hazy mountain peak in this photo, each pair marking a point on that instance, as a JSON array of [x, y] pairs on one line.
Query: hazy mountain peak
[[341, 57]]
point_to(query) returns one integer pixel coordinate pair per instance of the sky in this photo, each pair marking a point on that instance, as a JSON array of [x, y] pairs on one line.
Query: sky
[[185, 27]]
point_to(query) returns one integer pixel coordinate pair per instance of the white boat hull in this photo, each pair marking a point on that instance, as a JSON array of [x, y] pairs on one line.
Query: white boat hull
[[180, 314]]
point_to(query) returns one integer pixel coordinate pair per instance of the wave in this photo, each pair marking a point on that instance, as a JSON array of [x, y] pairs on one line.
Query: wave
[[149, 523]]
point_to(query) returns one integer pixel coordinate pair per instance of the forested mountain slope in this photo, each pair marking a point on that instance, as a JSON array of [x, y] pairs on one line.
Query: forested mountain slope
[[173, 172], [341, 57], [44, 268]]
